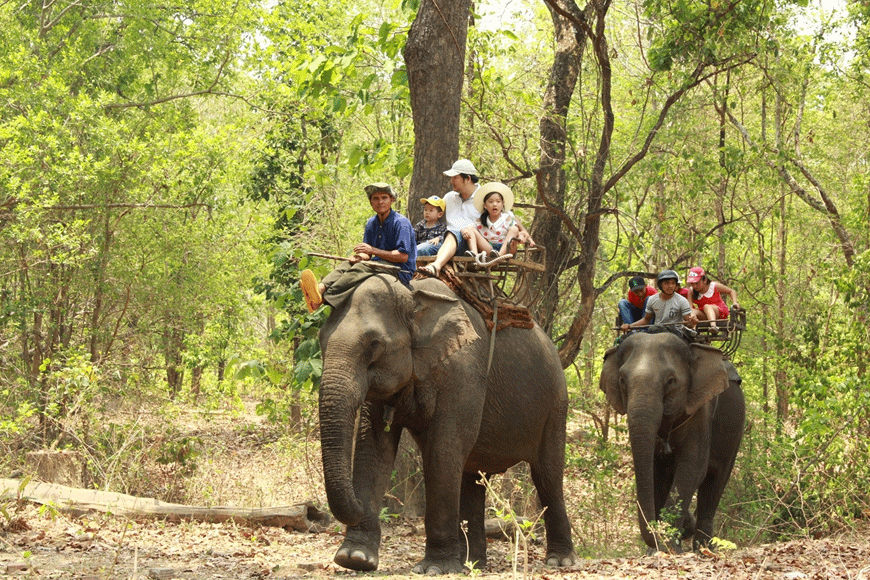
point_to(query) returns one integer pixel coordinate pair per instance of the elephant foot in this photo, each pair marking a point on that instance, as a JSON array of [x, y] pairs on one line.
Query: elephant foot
[[356, 557], [438, 567], [561, 559]]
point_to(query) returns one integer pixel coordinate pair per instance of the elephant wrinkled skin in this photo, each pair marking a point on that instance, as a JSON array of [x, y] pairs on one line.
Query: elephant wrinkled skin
[[686, 411], [417, 360]]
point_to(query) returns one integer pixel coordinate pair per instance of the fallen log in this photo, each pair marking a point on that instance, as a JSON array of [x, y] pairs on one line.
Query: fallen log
[[303, 517]]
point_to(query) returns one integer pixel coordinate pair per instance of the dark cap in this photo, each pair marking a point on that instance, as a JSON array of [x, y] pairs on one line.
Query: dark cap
[[636, 282]]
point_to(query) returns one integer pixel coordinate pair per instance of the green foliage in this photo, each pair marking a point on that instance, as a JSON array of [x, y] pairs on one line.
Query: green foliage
[[808, 481], [182, 449], [723, 545], [687, 32]]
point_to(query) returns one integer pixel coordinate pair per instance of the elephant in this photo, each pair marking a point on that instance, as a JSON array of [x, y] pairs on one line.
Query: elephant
[[685, 410], [416, 358]]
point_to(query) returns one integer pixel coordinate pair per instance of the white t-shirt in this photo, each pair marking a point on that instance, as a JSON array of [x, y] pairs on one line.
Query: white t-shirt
[[459, 213], [669, 311]]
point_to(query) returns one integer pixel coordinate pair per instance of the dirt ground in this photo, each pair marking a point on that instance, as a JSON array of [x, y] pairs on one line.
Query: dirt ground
[[106, 547], [245, 464]]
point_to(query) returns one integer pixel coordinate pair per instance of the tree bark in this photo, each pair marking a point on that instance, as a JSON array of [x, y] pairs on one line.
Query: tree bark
[[589, 237], [435, 61], [547, 225]]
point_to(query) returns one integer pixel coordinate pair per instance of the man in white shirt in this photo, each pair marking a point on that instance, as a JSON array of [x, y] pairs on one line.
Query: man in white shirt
[[459, 213]]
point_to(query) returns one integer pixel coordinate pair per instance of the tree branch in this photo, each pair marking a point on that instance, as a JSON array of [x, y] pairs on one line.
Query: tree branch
[[88, 206]]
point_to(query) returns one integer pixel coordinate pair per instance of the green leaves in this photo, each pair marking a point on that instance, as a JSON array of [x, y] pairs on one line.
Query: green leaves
[[687, 32]]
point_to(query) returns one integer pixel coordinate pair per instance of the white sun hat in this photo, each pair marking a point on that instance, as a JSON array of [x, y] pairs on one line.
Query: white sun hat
[[463, 166]]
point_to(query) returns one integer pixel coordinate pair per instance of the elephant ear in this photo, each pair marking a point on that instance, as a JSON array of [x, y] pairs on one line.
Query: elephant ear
[[609, 381], [441, 327], [709, 377]]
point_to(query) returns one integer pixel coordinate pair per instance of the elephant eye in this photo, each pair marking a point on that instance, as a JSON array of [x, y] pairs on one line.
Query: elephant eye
[[376, 349]]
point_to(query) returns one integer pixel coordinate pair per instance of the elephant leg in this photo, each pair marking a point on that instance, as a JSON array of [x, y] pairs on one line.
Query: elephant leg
[[472, 508], [664, 471], [373, 461], [444, 454], [445, 448], [708, 501], [728, 433], [709, 494], [547, 474], [663, 480], [687, 480]]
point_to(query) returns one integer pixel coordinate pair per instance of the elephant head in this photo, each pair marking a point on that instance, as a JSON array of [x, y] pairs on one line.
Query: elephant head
[[663, 386], [381, 340]]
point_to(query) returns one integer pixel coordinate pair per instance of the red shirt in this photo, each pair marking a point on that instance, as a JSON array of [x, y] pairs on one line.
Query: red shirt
[[637, 300]]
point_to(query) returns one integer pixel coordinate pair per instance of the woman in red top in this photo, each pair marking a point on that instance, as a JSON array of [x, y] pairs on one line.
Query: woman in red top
[[708, 298]]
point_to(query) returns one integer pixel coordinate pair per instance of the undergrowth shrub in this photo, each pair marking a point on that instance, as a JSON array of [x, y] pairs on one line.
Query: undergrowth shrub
[[807, 477]]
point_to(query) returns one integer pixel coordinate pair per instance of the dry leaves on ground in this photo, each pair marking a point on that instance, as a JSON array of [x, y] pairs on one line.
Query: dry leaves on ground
[[43, 545]]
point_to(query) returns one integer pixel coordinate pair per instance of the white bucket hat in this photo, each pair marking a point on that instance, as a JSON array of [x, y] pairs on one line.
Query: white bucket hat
[[463, 166]]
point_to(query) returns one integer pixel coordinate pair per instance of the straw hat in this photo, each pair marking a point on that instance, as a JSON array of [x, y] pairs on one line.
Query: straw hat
[[493, 186]]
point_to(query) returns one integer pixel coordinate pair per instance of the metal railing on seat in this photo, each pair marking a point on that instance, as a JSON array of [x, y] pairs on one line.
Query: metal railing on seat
[[726, 336], [728, 332]]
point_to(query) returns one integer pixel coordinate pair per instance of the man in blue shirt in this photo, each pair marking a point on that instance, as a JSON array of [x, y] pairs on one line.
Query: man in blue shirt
[[388, 236]]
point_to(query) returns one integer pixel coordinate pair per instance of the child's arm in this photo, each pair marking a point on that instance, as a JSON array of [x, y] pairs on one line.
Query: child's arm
[[731, 291], [437, 233], [525, 237]]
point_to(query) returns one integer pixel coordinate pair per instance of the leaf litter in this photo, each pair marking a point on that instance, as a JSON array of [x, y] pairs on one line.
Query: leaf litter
[[38, 542]]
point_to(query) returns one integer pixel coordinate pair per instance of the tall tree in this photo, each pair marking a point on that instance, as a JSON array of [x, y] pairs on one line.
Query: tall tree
[[684, 53], [108, 148], [551, 176], [435, 61]]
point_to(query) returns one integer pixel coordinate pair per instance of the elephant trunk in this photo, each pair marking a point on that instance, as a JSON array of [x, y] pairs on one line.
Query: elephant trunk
[[642, 431], [342, 393]]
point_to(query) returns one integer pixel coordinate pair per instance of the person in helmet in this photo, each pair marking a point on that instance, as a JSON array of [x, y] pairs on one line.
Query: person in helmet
[[666, 307]]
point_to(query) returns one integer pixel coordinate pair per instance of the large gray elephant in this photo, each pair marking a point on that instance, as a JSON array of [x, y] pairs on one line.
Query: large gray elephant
[[417, 360], [686, 412]]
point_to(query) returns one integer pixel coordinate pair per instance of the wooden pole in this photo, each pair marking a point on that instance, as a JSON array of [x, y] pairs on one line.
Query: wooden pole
[[373, 263]]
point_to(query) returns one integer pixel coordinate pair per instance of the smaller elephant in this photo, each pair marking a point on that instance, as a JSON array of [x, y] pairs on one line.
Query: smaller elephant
[[686, 411]]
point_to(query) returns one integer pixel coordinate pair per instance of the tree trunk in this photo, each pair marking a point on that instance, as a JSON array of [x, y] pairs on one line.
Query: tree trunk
[[722, 190], [547, 225], [435, 59], [589, 237], [173, 345]]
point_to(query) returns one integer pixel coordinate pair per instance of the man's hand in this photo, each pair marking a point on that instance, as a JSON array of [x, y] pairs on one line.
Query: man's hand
[[363, 249], [625, 327]]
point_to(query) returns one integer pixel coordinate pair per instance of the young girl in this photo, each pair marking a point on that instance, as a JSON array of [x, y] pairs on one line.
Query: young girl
[[707, 297], [497, 231]]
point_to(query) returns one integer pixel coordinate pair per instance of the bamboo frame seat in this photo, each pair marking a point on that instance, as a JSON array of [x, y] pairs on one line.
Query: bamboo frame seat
[[514, 281]]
